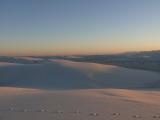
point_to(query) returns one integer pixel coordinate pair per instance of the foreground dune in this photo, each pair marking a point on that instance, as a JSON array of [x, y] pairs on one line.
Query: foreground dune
[[102, 104]]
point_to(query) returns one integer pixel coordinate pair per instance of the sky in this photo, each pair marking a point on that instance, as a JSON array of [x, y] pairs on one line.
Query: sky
[[72, 27]]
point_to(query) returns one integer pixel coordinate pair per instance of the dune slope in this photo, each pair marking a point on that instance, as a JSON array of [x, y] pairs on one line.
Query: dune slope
[[62, 74]]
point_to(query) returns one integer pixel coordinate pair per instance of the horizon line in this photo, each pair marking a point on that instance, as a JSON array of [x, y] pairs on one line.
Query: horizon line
[[81, 54]]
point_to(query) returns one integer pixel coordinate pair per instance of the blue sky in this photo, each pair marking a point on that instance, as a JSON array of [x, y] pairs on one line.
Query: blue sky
[[57, 27]]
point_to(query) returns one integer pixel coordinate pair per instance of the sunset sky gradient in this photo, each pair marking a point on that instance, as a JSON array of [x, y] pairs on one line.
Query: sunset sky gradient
[[64, 27]]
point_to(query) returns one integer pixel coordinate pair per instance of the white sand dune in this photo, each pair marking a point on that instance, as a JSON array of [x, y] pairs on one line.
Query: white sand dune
[[3, 64], [85, 66], [144, 96], [16, 91], [62, 74], [102, 104], [30, 58], [38, 99]]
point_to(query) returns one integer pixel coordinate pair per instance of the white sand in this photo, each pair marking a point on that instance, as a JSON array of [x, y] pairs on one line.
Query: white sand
[[16, 91], [85, 104], [102, 104], [31, 58], [87, 67], [3, 64], [62, 74]]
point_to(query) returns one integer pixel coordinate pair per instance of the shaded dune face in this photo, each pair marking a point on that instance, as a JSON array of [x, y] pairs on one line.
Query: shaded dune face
[[62, 74]]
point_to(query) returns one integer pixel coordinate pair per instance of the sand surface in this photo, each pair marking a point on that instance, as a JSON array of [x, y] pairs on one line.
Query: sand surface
[[102, 104], [63, 74], [66, 90], [3, 64]]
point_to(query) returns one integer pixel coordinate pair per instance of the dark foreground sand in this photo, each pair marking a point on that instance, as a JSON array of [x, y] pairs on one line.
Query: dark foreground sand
[[102, 104]]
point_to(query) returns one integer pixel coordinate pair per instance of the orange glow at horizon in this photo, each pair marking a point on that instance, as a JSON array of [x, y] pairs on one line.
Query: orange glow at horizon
[[73, 52]]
